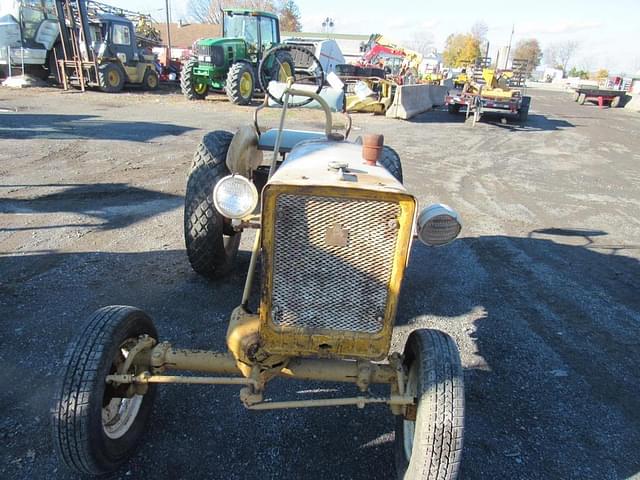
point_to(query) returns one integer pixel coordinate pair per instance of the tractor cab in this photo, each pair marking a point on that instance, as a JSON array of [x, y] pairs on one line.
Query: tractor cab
[[260, 30], [114, 37]]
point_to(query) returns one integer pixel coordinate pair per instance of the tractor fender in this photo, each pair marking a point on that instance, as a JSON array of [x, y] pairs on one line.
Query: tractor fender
[[243, 155]]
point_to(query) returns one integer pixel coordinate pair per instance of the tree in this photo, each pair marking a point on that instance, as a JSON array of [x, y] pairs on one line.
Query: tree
[[290, 17], [574, 72], [210, 11], [460, 50], [560, 54], [421, 42], [529, 49], [479, 31], [602, 74]]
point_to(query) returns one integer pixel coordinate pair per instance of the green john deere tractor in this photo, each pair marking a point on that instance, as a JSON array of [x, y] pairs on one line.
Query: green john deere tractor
[[231, 62]]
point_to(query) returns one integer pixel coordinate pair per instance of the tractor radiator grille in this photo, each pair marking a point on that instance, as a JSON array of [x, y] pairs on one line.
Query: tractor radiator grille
[[332, 262], [216, 53]]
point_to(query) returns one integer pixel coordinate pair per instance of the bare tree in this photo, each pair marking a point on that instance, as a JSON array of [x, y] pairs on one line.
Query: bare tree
[[421, 42], [210, 11], [566, 51], [479, 30]]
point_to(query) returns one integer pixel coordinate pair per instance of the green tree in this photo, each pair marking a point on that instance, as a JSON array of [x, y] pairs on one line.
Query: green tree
[[290, 17], [529, 49], [460, 50]]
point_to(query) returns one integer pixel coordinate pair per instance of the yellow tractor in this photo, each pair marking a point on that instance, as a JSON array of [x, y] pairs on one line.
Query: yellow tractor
[[333, 228]]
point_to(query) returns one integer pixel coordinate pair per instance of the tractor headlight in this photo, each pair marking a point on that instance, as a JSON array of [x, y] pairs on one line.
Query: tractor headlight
[[235, 196], [207, 58], [201, 58], [438, 224]]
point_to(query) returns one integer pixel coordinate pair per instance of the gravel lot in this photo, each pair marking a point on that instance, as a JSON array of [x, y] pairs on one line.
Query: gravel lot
[[541, 292]]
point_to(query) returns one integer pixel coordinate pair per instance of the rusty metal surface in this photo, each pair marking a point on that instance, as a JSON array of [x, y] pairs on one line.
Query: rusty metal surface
[[328, 280]]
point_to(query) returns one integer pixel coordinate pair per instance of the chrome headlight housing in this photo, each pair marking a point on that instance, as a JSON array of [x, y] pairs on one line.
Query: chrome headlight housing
[[438, 224], [235, 196]]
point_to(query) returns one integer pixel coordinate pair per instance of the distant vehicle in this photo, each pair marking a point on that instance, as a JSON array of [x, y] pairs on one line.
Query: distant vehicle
[[29, 33]]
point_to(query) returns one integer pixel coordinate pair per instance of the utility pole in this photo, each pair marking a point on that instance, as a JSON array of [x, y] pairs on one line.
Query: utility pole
[[506, 62], [168, 32]]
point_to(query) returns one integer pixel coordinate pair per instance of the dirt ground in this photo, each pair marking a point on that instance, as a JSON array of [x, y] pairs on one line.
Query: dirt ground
[[541, 292]]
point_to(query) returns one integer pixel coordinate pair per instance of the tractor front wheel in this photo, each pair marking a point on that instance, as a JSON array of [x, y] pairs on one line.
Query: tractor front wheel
[[240, 83], [150, 81], [111, 78], [193, 88], [96, 425], [211, 243], [429, 435]]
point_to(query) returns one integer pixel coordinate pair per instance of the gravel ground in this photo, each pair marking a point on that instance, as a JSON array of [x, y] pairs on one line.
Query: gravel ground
[[540, 291]]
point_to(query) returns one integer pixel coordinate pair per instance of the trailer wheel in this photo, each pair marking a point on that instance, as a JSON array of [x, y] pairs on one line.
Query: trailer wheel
[[240, 83], [211, 245], [96, 426], [192, 87], [615, 103], [575, 96], [429, 439], [581, 99], [150, 81], [111, 78]]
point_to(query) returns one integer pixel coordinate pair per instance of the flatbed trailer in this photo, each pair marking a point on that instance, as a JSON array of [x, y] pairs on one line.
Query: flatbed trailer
[[600, 95], [478, 104]]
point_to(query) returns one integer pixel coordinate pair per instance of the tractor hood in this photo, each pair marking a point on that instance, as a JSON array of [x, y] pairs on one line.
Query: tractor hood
[[317, 163], [221, 41]]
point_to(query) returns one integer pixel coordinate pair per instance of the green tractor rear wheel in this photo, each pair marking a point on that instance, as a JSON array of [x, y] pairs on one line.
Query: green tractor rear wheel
[[240, 83], [192, 87]]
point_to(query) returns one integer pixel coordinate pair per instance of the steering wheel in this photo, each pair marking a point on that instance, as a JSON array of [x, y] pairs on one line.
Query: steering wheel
[[291, 61]]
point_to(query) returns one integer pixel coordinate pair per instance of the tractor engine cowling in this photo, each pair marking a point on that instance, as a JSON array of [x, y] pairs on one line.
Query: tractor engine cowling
[[336, 236]]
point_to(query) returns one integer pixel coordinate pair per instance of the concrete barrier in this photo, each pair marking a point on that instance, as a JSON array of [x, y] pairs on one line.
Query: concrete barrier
[[412, 100]]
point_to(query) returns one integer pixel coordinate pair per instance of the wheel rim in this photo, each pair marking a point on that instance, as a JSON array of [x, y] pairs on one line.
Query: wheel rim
[[200, 88], [246, 85], [113, 77], [409, 426], [284, 72], [152, 81], [119, 413]]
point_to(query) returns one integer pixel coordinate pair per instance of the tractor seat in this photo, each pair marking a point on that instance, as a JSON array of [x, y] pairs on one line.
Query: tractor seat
[[290, 138]]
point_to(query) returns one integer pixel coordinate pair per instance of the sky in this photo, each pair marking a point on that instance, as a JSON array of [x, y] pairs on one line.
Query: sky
[[608, 33]]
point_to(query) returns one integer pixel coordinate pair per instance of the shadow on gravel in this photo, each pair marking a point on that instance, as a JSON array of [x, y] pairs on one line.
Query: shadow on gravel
[[23, 126], [552, 390], [535, 122], [551, 338], [113, 205]]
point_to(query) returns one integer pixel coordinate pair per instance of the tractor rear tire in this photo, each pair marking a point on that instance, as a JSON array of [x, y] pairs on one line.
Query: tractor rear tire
[[211, 244], [150, 81], [283, 67], [429, 442], [192, 89], [111, 77], [96, 428], [240, 83]]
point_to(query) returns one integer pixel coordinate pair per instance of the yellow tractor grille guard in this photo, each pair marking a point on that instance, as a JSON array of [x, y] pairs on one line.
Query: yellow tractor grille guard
[[333, 261]]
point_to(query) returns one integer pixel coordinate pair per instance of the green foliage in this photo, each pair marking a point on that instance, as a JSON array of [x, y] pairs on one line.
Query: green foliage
[[461, 50], [574, 72]]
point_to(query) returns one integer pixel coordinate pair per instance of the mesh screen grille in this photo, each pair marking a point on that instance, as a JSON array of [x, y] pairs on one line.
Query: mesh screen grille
[[319, 282]]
